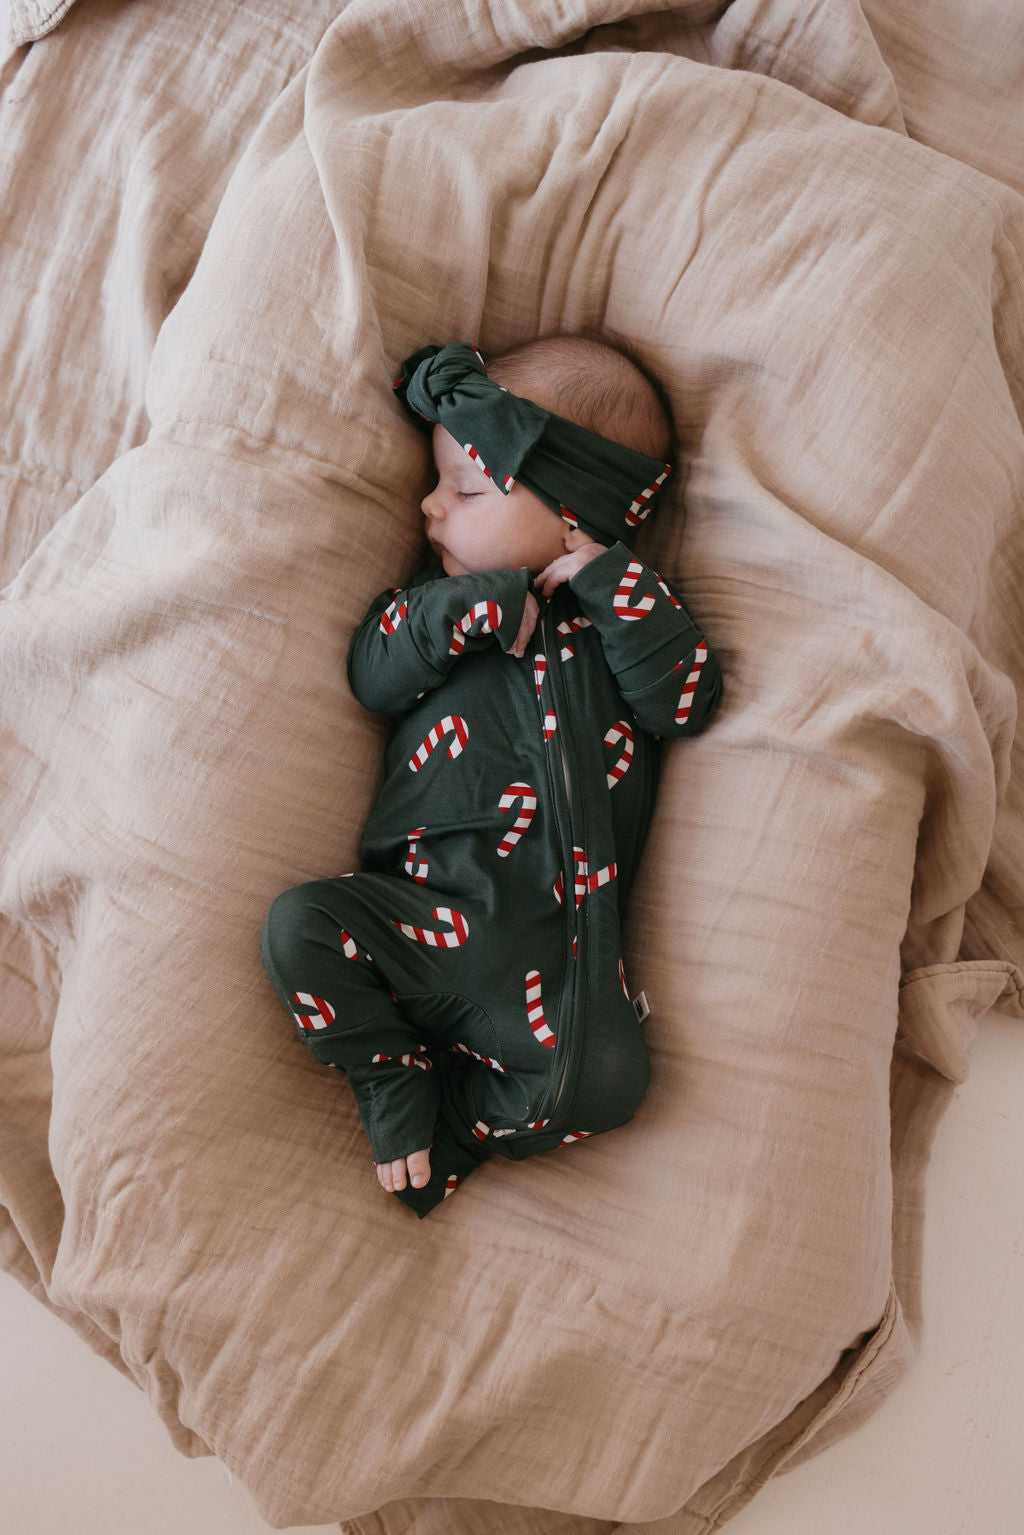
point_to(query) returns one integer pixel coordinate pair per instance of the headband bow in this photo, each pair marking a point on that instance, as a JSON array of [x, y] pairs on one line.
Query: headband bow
[[593, 483]]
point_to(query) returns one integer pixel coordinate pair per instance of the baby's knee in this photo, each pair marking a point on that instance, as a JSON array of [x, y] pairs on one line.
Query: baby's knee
[[295, 920], [615, 1079]]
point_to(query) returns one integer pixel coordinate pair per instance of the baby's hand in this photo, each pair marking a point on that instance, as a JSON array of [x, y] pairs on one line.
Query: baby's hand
[[391, 1175], [526, 628], [566, 566]]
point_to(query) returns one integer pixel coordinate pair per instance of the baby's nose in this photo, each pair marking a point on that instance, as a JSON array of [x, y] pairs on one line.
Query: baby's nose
[[431, 505]]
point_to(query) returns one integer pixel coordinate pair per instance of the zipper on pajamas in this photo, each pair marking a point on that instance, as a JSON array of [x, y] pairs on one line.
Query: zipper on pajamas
[[569, 907]]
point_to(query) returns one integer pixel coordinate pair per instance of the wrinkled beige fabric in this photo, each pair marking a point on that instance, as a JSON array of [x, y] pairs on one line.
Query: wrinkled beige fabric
[[643, 1328]]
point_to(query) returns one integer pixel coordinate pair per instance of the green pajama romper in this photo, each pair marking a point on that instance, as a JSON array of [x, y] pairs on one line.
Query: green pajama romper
[[469, 979]]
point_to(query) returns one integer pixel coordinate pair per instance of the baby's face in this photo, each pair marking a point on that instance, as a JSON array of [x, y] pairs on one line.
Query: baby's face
[[474, 527]]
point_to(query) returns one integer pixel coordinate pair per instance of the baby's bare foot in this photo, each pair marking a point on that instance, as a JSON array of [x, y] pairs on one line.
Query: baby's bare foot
[[392, 1175]]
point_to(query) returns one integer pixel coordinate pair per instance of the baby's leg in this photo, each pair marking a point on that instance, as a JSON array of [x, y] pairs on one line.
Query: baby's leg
[[348, 1018]]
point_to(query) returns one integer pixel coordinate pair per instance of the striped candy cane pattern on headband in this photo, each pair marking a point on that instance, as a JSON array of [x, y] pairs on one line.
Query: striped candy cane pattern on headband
[[640, 508], [516, 791], [418, 871], [393, 615], [490, 612], [321, 1019], [434, 940], [685, 703], [452, 724], [535, 1010], [622, 601], [623, 732], [468, 447]]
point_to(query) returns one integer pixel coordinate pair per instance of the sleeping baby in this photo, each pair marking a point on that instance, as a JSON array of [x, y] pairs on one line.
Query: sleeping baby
[[469, 980]]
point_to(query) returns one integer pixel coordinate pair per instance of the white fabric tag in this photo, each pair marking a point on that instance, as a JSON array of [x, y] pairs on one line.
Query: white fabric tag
[[640, 1007]]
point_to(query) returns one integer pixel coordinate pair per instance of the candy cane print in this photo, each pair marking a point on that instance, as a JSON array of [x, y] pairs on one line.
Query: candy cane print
[[523, 792], [620, 731], [540, 666], [468, 447], [348, 945], [673, 599], [621, 601], [571, 626], [567, 516], [685, 703], [486, 1059], [452, 723], [451, 1183], [392, 616], [418, 871], [420, 1059], [602, 877], [574, 1135], [537, 1124], [490, 612], [640, 508], [454, 919], [481, 1131], [321, 1019], [535, 1010]]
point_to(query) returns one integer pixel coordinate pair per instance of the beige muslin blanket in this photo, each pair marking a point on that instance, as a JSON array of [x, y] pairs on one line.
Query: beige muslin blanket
[[223, 226]]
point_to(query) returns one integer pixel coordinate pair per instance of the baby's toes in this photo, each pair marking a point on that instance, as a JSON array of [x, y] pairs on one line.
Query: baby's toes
[[384, 1177], [419, 1168]]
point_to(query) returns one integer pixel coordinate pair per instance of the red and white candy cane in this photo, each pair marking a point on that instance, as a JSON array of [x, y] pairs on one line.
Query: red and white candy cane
[[640, 508], [490, 612], [584, 882], [451, 1183], [481, 1130], [420, 1059], [486, 1059], [620, 731], [418, 871], [571, 626], [540, 666], [392, 616], [622, 602], [516, 791], [478, 461], [434, 940], [452, 724], [535, 1010], [673, 599], [575, 1135], [685, 703], [602, 877], [321, 1019]]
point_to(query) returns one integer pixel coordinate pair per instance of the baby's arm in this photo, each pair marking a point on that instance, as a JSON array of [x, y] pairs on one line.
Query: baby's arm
[[410, 639], [664, 667]]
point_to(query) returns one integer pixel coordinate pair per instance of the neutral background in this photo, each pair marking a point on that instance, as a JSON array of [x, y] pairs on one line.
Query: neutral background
[[84, 1454]]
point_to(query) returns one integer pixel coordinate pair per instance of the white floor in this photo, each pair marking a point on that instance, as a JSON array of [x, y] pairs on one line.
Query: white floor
[[84, 1454]]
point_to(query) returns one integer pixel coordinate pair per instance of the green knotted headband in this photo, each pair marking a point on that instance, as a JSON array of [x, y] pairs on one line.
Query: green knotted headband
[[598, 485]]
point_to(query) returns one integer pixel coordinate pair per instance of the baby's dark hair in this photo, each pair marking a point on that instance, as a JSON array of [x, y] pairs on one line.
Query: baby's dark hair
[[597, 382]]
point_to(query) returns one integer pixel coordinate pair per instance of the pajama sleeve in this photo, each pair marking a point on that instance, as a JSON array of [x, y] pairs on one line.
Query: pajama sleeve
[[662, 663], [412, 637]]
